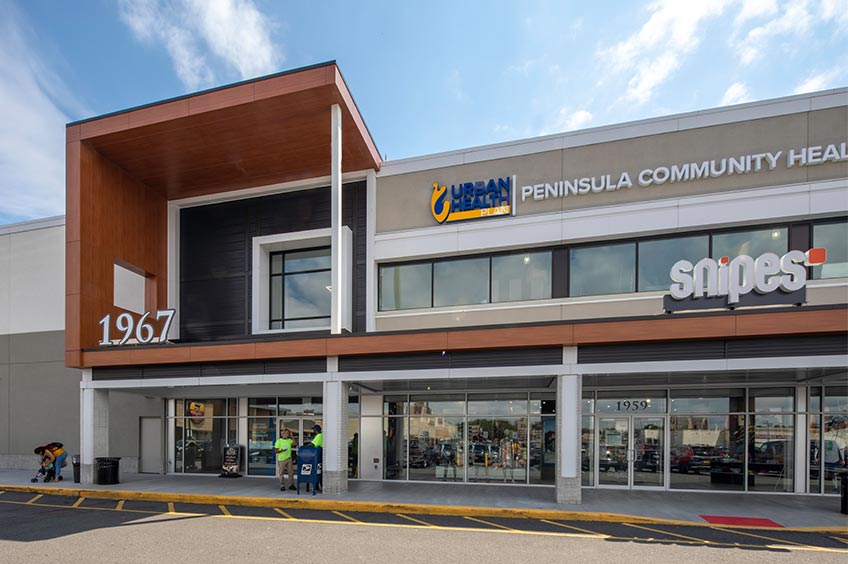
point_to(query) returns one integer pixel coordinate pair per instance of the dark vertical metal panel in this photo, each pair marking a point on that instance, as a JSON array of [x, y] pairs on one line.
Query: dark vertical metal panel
[[800, 236], [355, 216], [559, 274]]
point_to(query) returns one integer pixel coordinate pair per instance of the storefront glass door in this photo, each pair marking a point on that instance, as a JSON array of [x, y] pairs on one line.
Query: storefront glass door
[[631, 452]]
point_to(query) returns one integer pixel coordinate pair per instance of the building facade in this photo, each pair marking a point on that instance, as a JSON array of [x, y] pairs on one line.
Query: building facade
[[660, 304]]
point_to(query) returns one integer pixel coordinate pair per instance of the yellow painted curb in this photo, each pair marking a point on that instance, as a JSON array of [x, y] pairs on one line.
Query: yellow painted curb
[[309, 502]]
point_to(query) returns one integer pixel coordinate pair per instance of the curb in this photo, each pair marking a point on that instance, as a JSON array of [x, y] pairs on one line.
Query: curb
[[384, 507]]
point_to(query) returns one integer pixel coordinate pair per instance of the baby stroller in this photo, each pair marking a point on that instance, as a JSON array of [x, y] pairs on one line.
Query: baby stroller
[[49, 473]]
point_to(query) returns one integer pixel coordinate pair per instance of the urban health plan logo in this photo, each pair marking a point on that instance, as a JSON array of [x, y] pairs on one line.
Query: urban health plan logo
[[473, 200]]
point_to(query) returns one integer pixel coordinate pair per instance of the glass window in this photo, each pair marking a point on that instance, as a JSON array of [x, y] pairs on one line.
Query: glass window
[[405, 286], [635, 403], [261, 434], [835, 399], [497, 449], [708, 401], [834, 238], [461, 282], [300, 406], [771, 453], [526, 276], [353, 447], [203, 444], [262, 407], [771, 400], [394, 448], [834, 450], [432, 442], [437, 405], [707, 452], [300, 289], [610, 269], [815, 399], [394, 405], [658, 256], [751, 243], [497, 404], [206, 407], [815, 454]]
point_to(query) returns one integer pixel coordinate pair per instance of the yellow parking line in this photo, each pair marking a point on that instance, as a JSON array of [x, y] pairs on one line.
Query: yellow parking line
[[573, 528], [36, 498], [225, 511], [703, 541], [78, 502], [120, 506], [171, 507], [284, 514], [414, 520], [839, 539], [348, 517], [490, 523], [781, 541]]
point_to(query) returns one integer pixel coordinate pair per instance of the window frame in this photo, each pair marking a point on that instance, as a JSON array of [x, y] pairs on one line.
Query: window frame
[[282, 275]]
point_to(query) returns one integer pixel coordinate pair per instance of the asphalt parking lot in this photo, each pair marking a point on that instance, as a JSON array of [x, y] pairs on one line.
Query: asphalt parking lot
[[17, 508]]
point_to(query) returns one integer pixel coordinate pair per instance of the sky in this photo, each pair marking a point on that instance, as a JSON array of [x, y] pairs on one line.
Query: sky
[[427, 77]]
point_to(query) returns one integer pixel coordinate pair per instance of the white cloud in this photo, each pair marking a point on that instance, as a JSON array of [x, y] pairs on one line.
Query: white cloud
[[753, 9], [836, 11], [651, 55], [32, 126], [566, 120], [454, 85], [794, 20], [736, 93], [822, 80], [197, 33]]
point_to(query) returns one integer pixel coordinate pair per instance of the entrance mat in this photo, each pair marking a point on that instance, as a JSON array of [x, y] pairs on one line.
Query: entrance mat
[[740, 521]]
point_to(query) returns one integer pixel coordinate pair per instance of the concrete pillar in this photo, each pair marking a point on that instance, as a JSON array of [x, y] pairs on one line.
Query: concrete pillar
[[335, 437], [568, 407], [336, 219], [94, 430]]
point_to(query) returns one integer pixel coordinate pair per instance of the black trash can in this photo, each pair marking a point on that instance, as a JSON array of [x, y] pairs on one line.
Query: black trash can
[[75, 459], [106, 470], [844, 493]]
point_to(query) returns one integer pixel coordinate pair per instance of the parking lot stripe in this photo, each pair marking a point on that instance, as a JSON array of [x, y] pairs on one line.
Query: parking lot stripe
[[283, 513], [491, 524], [348, 517], [586, 531], [414, 520], [171, 507], [120, 505], [36, 498], [782, 542], [225, 511], [840, 539], [78, 502], [703, 541]]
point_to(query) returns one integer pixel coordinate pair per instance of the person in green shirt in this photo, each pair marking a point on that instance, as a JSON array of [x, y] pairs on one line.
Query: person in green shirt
[[283, 448], [318, 438]]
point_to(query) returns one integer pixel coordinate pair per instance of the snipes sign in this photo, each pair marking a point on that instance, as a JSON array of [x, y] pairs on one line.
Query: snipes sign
[[473, 200], [743, 281]]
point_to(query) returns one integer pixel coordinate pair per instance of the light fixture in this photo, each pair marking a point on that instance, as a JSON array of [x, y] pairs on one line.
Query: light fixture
[[775, 234], [526, 259]]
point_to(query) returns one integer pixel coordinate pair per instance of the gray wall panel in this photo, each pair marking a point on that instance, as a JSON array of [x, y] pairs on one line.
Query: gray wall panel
[[44, 406], [48, 346], [5, 416], [124, 411], [4, 349]]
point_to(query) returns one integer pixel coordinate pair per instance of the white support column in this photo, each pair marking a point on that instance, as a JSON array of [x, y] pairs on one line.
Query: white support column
[[336, 219], [94, 430], [371, 298], [569, 390], [802, 441], [335, 437]]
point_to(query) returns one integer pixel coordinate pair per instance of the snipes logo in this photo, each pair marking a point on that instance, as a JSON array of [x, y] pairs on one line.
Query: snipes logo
[[472, 200]]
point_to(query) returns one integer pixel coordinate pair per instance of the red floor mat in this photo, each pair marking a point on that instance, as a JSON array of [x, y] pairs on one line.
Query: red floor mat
[[741, 521]]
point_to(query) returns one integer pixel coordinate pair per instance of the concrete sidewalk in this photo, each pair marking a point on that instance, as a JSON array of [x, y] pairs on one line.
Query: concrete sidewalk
[[796, 511]]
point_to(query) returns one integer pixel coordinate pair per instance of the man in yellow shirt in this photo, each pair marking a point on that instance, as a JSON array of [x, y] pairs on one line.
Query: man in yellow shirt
[[283, 448]]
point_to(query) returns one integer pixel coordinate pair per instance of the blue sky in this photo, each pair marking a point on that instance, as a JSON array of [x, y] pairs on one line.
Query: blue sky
[[427, 77]]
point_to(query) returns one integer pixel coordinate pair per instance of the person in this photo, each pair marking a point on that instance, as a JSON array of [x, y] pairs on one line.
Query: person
[[318, 442], [53, 453], [354, 455], [283, 449]]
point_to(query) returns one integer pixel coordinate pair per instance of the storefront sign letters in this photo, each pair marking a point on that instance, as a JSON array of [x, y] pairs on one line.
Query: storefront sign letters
[[143, 330], [473, 200]]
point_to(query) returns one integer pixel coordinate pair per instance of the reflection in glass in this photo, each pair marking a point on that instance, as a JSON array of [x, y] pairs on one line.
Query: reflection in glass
[[394, 451], [497, 404], [771, 453], [656, 257], [262, 407], [461, 282], [497, 450], [433, 445], [834, 238], [437, 405], [542, 457], [835, 399], [587, 451], [707, 452], [306, 295], [609, 269], [815, 454], [261, 434], [613, 443], [649, 452], [525, 276], [204, 442], [751, 243], [179, 437], [353, 447], [405, 286], [771, 400], [312, 259], [834, 450], [708, 401]]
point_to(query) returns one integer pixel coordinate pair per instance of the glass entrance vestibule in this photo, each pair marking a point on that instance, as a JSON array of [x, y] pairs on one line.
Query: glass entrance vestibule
[[768, 439]]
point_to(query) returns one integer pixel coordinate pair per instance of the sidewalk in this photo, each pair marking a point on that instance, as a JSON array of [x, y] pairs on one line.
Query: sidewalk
[[795, 511]]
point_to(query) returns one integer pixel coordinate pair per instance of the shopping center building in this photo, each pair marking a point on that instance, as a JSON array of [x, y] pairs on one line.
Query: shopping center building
[[660, 304]]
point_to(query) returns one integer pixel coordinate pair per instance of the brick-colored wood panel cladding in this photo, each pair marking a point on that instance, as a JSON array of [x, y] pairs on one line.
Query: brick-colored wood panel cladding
[[810, 322]]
